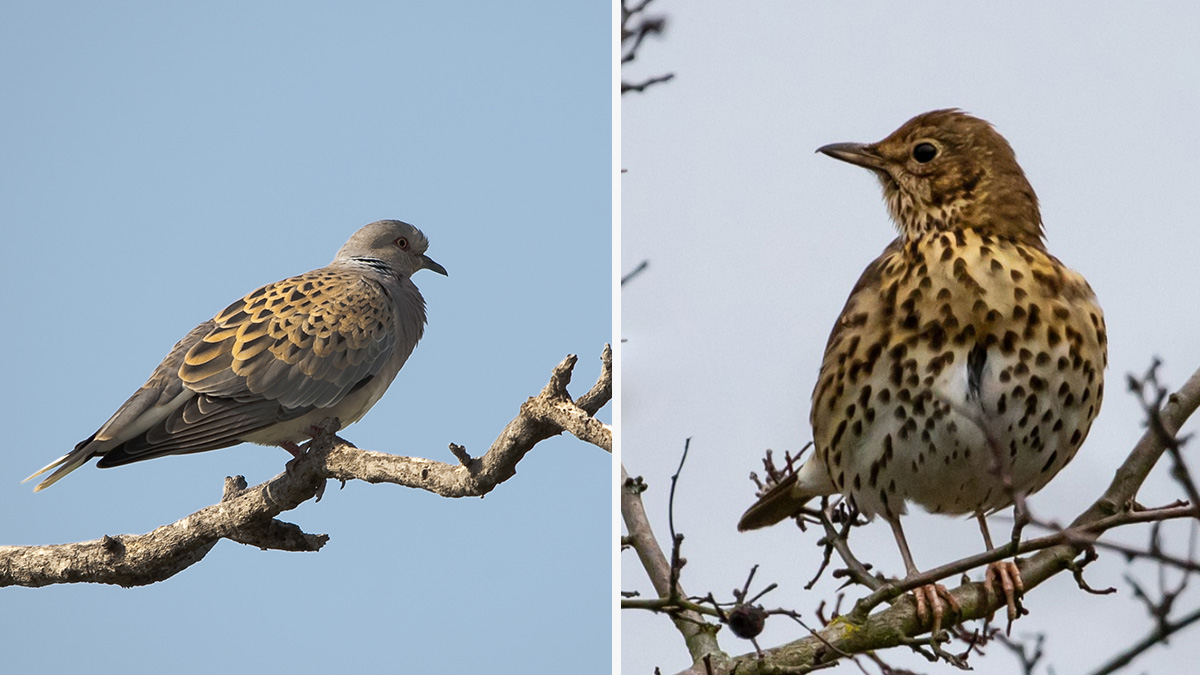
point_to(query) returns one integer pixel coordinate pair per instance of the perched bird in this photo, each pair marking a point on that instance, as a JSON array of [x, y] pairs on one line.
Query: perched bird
[[968, 363], [276, 362]]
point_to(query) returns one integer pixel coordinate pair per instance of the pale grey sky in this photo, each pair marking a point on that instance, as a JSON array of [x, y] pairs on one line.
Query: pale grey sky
[[754, 242]]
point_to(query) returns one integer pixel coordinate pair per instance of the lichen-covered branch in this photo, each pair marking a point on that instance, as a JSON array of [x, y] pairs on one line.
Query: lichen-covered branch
[[248, 514]]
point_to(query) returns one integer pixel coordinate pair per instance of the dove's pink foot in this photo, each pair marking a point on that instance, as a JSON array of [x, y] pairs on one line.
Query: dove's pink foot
[[295, 450]]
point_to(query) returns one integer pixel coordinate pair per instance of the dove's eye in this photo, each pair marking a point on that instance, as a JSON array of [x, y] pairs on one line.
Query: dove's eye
[[924, 152], [401, 243]]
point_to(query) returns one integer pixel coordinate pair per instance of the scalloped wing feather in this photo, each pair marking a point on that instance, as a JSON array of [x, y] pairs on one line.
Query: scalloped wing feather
[[301, 342]]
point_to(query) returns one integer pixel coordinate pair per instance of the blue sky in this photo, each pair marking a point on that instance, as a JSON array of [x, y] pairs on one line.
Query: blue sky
[[161, 160], [754, 242]]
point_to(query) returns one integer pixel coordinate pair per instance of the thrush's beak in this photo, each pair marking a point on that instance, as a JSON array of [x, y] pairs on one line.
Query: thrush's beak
[[429, 264], [854, 153]]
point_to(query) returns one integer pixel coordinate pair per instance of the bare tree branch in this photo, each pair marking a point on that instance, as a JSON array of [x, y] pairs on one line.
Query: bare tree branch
[[699, 635], [637, 25], [862, 632], [247, 515]]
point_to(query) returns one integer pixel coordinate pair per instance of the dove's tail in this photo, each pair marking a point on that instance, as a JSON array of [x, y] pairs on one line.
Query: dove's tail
[[63, 465], [788, 496]]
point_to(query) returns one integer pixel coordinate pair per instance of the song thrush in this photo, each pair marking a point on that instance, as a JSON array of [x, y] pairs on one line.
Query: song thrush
[[968, 363]]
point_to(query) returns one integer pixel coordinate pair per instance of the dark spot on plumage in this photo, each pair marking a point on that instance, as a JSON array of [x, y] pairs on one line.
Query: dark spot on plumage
[[936, 334], [1049, 461], [1031, 403], [992, 316], [1021, 369], [869, 414], [885, 395], [889, 294], [1052, 337], [837, 434], [853, 346], [1037, 383], [1087, 394], [1050, 282], [1009, 344], [919, 407], [1058, 425], [1018, 392], [873, 352], [976, 360], [1018, 312], [900, 412]]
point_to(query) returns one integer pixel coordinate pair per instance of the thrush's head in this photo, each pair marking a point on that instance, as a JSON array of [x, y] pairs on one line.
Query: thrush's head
[[946, 170]]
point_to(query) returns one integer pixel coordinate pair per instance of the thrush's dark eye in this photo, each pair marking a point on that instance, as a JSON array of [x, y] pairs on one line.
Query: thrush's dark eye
[[402, 243], [924, 152]]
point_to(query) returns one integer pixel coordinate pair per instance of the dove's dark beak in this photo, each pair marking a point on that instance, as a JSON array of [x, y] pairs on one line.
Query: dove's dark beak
[[854, 153], [429, 264]]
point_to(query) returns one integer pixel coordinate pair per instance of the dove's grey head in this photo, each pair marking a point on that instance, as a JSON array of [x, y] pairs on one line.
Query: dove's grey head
[[389, 244]]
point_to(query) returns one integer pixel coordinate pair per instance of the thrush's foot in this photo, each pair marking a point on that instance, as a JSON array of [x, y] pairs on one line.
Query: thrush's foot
[[295, 450], [934, 601], [1005, 578]]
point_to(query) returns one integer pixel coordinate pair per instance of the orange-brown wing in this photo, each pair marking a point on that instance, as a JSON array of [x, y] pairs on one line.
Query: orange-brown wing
[[302, 342]]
